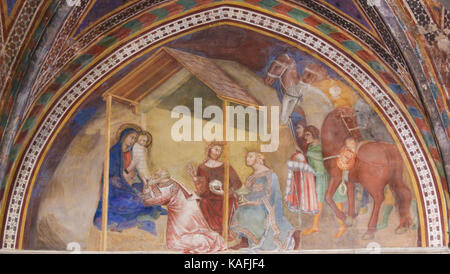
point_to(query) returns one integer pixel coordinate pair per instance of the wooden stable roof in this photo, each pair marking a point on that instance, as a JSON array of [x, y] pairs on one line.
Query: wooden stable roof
[[162, 65]]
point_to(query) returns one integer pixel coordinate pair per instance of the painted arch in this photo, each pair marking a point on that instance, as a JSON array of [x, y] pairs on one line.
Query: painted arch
[[376, 82]]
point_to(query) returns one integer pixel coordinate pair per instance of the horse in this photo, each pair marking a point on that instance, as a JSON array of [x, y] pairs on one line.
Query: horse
[[377, 164], [298, 94], [370, 124]]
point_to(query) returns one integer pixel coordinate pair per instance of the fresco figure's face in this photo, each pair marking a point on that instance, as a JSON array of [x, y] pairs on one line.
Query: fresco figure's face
[[130, 139], [142, 140], [250, 159], [308, 77], [308, 137], [215, 152], [300, 129]]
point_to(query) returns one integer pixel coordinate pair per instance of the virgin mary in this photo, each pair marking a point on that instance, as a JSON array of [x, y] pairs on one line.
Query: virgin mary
[[125, 206]]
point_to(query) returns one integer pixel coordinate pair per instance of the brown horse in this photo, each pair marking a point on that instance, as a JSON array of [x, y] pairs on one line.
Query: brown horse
[[377, 164]]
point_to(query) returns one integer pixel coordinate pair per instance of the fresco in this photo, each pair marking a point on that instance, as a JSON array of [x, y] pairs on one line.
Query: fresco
[[350, 8], [305, 164]]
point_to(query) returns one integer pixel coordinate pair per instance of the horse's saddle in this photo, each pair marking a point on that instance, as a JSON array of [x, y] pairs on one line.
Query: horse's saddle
[[349, 119]]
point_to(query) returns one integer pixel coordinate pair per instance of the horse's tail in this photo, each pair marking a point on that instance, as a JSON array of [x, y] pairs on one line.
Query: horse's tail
[[400, 186]]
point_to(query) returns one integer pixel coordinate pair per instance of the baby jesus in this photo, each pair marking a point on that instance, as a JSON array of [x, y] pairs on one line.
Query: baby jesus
[[139, 156]]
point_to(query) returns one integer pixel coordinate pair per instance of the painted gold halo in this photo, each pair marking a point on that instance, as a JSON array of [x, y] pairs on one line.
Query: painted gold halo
[[125, 126]]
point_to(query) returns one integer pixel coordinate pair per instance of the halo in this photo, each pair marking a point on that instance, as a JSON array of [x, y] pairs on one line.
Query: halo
[[149, 137], [125, 126], [213, 144]]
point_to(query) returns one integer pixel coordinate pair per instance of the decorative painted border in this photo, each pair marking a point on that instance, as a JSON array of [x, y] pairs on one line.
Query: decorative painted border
[[2, 22], [388, 53], [61, 60], [120, 17], [17, 36], [421, 16], [8, 18], [418, 12], [2, 45], [353, 28], [433, 217], [48, 66], [21, 42], [1, 29], [446, 20], [384, 32]]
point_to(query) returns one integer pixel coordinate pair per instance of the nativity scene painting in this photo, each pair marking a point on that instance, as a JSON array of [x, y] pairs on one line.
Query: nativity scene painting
[[147, 162]]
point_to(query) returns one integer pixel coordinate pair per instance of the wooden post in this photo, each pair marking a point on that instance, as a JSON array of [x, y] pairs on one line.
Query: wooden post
[[143, 121], [103, 244], [226, 178]]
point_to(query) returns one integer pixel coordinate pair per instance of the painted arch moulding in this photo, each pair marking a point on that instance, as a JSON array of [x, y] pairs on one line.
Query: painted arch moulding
[[428, 186]]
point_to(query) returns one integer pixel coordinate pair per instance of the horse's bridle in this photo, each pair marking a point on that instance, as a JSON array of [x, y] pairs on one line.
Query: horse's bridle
[[284, 67]]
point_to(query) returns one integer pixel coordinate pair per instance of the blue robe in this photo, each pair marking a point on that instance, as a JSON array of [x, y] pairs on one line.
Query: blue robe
[[125, 207], [264, 224]]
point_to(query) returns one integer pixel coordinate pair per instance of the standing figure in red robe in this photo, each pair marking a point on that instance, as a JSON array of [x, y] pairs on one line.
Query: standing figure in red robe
[[209, 180]]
